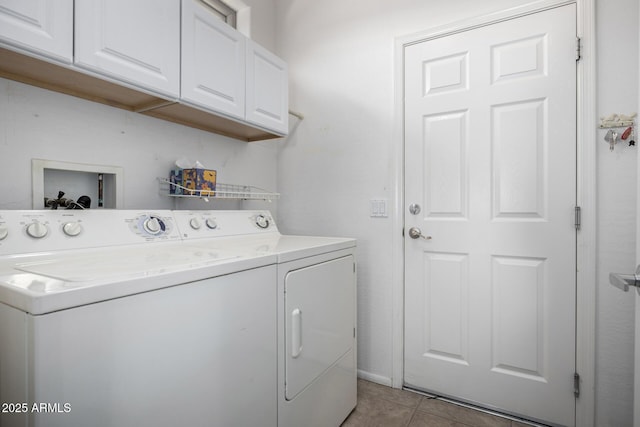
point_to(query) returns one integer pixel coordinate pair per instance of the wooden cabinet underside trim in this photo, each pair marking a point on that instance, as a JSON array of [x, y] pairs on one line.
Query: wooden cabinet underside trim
[[70, 81]]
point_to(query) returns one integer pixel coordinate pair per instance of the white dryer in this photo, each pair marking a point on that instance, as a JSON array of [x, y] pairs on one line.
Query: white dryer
[[317, 323], [316, 297]]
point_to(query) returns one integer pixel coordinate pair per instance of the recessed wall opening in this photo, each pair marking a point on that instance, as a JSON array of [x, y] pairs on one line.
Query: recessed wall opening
[[102, 184]]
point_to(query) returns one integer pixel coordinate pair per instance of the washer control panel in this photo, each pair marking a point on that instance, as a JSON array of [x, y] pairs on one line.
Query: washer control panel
[[24, 231], [208, 224]]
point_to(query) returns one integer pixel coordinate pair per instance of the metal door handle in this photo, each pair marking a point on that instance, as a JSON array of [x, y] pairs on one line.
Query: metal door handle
[[623, 281], [416, 233]]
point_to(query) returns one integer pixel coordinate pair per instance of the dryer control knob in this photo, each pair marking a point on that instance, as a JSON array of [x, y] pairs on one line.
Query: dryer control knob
[[195, 223], [72, 229], [37, 230], [211, 223], [152, 225], [262, 221], [4, 232]]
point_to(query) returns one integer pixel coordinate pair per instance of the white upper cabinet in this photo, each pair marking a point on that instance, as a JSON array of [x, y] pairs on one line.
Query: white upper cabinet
[[224, 71], [213, 61], [137, 42], [139, 54], [44, 27], [267, 89]]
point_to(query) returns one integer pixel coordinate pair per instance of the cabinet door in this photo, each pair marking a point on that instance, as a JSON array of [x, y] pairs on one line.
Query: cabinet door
[[267, 89], [135, 41], [213, 61], [44, 27]]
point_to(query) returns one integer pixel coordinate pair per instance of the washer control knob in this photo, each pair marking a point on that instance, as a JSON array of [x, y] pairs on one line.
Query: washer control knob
[[4, 232], [211, 223], [262, 221], [195, 223], [72, 229], [37, 230], [152, 225]]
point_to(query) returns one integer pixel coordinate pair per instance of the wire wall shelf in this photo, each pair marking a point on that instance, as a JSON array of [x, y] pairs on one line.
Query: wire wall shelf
[[222, 191]]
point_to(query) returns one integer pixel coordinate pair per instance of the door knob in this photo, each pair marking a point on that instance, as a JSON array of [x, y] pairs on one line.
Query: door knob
[[623, 281], [416, 233]]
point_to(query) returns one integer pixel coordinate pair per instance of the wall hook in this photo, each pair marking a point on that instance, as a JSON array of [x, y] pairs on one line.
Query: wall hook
[[619, 121]]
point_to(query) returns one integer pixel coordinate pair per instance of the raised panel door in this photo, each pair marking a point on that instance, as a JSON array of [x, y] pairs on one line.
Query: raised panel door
[[137, 42], [44, 27], [213, 61], [490, 156], [267, 89]]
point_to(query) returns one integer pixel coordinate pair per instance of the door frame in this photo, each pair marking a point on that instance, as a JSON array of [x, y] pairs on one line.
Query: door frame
[[586, 190]]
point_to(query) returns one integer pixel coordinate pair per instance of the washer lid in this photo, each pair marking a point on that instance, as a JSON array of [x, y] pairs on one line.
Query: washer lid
[[128, 262], [49, 282]]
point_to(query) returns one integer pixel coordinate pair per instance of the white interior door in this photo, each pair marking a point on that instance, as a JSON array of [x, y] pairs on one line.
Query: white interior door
[[490, 159]]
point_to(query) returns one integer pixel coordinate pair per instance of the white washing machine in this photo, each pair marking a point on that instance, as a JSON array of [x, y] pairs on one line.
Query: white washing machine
[[316, 285], [112, 318]]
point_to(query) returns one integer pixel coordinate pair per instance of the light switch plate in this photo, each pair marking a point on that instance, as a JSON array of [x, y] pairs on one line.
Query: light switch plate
[[378, 208]]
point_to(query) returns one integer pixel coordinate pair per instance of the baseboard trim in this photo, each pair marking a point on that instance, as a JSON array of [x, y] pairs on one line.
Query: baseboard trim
[[375, 378]]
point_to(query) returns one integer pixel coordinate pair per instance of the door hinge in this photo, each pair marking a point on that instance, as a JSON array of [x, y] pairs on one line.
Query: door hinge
[[578, 49], [578, 218], [576, 385]]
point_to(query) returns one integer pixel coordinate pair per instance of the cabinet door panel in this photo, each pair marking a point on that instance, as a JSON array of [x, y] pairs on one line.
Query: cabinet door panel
[[267, 89], [134, 41], [213, 61], [41, 26]]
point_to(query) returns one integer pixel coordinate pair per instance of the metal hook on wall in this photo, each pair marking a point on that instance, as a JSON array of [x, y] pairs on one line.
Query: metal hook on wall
[[619, 121]]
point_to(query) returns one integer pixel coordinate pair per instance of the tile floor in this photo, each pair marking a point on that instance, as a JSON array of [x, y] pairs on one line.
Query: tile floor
[[380, 406]]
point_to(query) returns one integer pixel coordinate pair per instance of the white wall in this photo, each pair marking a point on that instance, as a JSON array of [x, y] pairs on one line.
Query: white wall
[[342, 155], [617, 51], [263, 18], [36, 123]]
